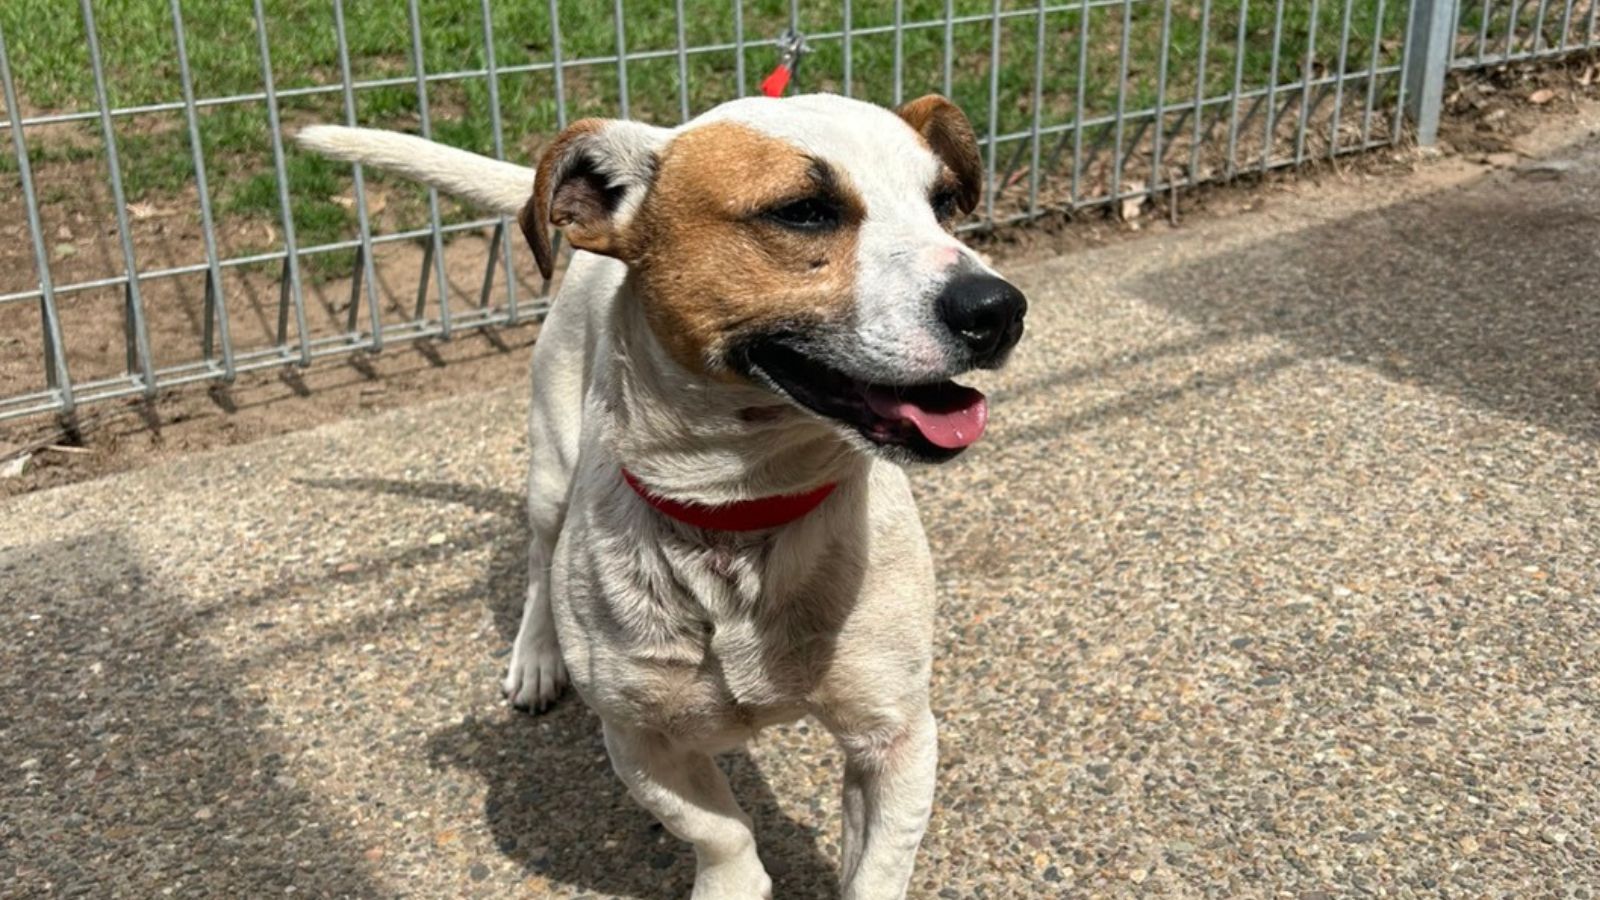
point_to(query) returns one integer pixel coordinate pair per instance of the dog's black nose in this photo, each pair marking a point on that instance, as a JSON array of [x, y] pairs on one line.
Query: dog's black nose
[[985, 314]]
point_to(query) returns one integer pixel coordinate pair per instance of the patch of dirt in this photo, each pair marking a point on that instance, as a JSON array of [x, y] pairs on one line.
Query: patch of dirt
[[119, 435], [1487, 112], [1492, 118]]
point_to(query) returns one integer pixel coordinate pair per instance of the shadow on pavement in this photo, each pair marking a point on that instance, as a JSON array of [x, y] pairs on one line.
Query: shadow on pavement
[[556, 809], [1489, 292], [135, 761]]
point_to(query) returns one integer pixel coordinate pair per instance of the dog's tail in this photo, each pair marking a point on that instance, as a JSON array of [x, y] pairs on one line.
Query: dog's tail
[[500, 186]]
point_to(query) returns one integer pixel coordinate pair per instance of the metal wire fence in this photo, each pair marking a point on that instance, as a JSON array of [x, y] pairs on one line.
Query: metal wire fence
[[1491, 33], [164, 230]]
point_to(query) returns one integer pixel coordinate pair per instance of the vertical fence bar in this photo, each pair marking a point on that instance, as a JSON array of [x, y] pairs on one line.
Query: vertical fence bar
[[1200, 93], [139, 345], [1339, 82], [994, 112], [899, 51], [558, 70], [1455, 32], [948, 81], [1514, 8], [1156, 150], [1238, 87], [1038, 108], [55, 351], [1306, 69], [1483, 31], [497, 130], [1538, 28], [1589, 32], [558, 67], [622, 52], [1078, 108], [1270, 136], [683, 64], [290, 290], [1122, 107], [1566, 26], [848, 40], [216, 304], [738, 49], [435, 240], [1427, 51], [1372, 75], [366, 274]]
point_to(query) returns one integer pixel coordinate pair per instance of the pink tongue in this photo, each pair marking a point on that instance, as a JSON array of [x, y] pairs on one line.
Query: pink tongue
[[950, 416]]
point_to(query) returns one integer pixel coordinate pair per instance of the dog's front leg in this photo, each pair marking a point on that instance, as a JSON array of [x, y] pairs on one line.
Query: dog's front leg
[[888, 795], [691, 797], [537, 673]]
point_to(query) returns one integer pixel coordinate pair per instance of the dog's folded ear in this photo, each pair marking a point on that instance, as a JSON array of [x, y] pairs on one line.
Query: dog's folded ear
[[947, 132], [589, 181]]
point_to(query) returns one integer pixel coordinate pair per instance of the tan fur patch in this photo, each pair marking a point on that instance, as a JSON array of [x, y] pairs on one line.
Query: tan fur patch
[[711, 269]]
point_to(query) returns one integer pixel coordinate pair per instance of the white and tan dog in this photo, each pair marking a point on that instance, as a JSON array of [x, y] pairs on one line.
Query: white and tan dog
[[761, 325]]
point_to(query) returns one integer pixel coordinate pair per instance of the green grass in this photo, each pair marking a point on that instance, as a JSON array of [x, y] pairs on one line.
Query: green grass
[[49, 55]]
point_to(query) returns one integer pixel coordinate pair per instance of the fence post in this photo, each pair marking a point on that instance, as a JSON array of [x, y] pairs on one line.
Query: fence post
[[1428, 45]]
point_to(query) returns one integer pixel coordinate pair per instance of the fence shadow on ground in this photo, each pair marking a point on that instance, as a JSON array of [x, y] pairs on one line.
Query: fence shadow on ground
[[1489, 292]]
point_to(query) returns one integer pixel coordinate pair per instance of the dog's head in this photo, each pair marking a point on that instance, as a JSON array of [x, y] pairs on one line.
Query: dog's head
[[802, 245]]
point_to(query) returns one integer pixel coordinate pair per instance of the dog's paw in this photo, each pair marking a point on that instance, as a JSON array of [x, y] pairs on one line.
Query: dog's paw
[[536, 675], [743, 880]]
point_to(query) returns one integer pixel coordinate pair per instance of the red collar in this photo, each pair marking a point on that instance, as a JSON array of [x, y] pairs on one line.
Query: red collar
[[741, 515]]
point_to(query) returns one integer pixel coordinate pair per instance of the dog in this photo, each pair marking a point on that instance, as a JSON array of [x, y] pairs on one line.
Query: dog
[[758, 328]]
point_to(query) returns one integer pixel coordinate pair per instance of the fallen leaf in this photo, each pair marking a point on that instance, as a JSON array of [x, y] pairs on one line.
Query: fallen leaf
[[1542, 96], [1132, 206], [376, 201], [15, 466]]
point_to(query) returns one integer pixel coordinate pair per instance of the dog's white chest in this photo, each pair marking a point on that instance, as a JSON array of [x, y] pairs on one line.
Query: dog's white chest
[[692, 640]]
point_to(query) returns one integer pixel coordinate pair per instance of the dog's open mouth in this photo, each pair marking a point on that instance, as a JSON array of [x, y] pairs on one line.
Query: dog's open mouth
[[934, 421]]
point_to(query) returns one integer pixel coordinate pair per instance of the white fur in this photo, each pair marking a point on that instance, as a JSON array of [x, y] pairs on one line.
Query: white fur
[[500, 186], [686, 642]]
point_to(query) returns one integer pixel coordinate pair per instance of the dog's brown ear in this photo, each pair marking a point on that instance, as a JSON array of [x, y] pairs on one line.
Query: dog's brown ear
[[589, 181], [947, 132]]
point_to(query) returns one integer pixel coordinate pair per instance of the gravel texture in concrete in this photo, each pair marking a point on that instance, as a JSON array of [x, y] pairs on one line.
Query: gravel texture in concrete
[[1278, 574]]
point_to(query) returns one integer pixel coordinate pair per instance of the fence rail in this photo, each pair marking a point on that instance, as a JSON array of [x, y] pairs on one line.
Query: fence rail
[[225, 250]]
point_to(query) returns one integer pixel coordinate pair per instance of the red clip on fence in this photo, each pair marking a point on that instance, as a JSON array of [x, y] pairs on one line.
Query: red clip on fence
[[791, 44], [774, 83]]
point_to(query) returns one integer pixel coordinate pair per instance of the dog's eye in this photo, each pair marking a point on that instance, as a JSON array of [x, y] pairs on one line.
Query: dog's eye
[[810, 214], [945, 205]]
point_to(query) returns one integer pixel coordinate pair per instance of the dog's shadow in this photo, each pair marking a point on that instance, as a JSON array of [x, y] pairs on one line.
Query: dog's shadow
[[557, 810], [553, 805]]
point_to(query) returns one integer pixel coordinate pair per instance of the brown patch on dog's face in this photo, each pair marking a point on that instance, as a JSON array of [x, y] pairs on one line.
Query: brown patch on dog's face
[[717, 252], [945, 129]]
